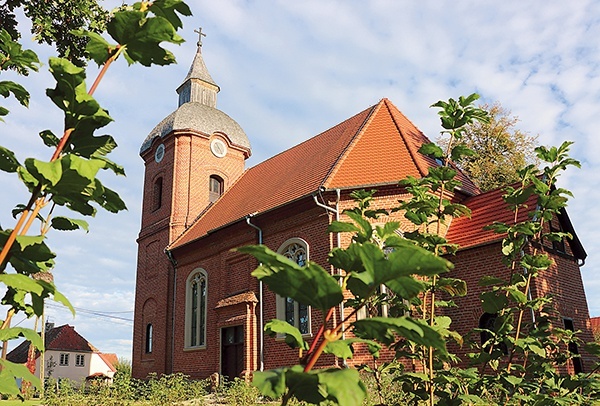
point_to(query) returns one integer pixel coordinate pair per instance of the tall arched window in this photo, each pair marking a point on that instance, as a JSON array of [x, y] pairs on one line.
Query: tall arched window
[[195, 317], [488, 322], [298, 315], [215, 188], [157, 194], [149, 338]]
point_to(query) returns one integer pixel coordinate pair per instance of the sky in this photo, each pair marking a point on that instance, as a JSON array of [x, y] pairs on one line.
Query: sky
[[291, 70]]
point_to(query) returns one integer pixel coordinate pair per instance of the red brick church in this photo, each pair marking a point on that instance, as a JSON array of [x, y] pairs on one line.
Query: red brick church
[[198, 310]]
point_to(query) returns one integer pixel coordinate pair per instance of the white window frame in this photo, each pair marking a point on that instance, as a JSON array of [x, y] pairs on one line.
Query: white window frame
[[64, 359], [197, 275], [281, 301], [79, 360], [362, 312]]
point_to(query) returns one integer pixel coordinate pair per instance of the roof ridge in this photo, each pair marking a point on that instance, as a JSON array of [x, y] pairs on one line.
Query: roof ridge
[[341, 158], [308, 139], [409, 144]]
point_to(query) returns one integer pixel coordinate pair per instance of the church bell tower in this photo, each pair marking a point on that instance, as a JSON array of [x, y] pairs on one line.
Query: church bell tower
[[191, 158]]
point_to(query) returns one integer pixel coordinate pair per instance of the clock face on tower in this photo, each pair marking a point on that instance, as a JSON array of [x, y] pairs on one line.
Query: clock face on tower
[[218, 148], [160, 153]]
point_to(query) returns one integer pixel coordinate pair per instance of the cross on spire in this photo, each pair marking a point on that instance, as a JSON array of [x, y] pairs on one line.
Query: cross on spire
[[200, 35]]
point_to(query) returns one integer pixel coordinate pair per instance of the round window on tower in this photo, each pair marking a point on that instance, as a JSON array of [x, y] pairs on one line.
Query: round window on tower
[[160, 153], [218, 148]]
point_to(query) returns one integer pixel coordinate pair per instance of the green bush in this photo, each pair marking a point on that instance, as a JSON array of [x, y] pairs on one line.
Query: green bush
[[238, 392]]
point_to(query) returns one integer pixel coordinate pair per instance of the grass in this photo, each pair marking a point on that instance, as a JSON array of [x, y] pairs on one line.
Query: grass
[[19, 403]]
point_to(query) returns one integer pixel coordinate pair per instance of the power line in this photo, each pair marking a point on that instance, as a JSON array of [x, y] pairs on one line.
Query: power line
[[93, 312]]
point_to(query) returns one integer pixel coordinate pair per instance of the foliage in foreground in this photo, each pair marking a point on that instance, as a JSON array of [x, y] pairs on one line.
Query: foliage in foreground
[[154, 391], [69, 178]]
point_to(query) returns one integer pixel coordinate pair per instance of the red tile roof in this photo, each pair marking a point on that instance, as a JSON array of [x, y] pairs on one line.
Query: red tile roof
[[377, 146], [110, 360], [595, 322], [486, 208], [62, 338]]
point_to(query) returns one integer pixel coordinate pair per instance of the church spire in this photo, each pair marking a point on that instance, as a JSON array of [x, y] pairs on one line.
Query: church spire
[[198, 86]]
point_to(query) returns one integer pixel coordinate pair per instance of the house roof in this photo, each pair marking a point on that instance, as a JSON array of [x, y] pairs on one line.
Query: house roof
[[376, 146], [488, 208], [110, 360], [595, 323], [62, 338]]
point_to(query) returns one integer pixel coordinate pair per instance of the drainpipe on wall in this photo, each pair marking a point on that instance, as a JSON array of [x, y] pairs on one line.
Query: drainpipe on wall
[[261, 350], [336, 212], [174, 263]]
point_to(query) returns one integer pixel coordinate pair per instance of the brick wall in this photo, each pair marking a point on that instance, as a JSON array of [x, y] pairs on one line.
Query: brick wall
[[229, 272]]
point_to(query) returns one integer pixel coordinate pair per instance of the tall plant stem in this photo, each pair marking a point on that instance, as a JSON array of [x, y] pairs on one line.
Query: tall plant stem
[[519, 325], [57, 153], [320, 332], [9, 315]]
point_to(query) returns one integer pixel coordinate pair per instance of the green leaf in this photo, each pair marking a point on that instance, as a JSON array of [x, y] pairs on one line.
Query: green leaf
[[169, 9], [461, 150], [22, 282], [34, 246], [47, 173], [493, 302], [293, 336], [270, 383], [406, 287], [432, 150], [341, 386], [9, 371], [8, 161], [15, 58], [365, 229], [89, 145], [536, 262], [491, 280], [107, 198], [310, 285], [16, 332], [8, 87], [68, 224], [409, 259], [347, 259], [98, 49], [345, 348], [386, 329], [60, 298], [49, 139], [453, 286], [342, 227], [142, 36], [70, 85]]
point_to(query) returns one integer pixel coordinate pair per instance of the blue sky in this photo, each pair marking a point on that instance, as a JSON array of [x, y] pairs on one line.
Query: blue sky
[[290, 70]]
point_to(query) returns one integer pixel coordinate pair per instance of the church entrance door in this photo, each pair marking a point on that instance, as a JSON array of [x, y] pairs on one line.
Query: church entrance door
[[232, 351]]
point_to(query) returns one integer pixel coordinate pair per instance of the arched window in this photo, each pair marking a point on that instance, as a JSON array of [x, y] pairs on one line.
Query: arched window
[[149, 338], [215, 188], [488, 322], [195, 317], [572, 347], [157, 194], [298, 315]]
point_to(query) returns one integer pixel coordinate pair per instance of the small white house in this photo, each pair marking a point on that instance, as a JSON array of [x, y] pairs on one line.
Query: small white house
[[68, 356]]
